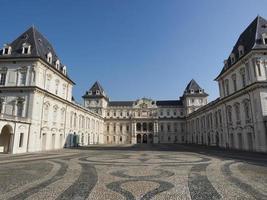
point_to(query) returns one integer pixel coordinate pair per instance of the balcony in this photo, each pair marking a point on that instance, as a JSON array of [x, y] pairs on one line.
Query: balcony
[[14, 118]]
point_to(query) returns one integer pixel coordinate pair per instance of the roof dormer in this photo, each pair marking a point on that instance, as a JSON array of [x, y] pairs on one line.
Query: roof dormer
[[6, 50], [58, 64], [49, 57], [264, 38], [26, 48], [241, 50], [64, 70], [232, 57]]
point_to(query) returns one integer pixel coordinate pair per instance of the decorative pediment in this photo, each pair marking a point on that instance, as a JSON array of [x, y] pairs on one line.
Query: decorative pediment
[[145, 103]]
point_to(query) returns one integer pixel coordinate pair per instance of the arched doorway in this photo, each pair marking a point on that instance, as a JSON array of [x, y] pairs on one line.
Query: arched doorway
[[150, 137], [138, 138], [44, 142], [53, 141], [217, 139], [145, 138], [6, 137], [61, 140]]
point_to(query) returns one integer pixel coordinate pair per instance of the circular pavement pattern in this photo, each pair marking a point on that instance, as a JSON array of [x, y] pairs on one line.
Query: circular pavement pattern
[[132, 174]]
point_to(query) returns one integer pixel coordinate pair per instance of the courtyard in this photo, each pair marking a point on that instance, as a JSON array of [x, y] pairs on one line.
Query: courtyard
[[134, 172]]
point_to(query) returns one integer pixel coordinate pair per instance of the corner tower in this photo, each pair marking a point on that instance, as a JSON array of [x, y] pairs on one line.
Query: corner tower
[[95, 99], [194, 97]]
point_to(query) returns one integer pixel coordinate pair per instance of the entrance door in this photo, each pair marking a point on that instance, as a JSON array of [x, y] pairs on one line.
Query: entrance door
[[145, 138], [138, 138], [6, 139]]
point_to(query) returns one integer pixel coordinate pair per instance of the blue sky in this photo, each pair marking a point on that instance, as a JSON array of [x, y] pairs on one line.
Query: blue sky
[[136, 48]]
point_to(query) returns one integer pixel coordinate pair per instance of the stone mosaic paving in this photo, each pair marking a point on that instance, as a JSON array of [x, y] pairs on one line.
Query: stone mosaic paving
[[144, 172]]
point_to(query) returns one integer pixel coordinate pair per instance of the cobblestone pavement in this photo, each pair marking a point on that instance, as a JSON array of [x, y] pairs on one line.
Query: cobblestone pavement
[[134, 172]]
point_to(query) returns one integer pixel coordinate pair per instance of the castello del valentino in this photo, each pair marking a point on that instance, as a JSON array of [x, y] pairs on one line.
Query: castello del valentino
[[38, 111]]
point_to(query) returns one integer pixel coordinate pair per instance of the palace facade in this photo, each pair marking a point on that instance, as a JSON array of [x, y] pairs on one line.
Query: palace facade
[[38, 111]]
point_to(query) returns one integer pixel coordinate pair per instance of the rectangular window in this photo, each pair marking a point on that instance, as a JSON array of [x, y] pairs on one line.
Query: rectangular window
[[161, 127], [6, 51], [20, 109], [169, 128], [26, 50], [2, 78], [21, 139], [22, 78]]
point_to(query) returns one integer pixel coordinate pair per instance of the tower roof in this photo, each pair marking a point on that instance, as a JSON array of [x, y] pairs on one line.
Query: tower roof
[[193, 88], [95, 91], [250, 39]]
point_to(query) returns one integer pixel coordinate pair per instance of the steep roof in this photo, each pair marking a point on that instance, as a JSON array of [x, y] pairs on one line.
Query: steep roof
[[169, 103], [194, 86], [120, 103], [40, 47], [250, 39], [95, 91]]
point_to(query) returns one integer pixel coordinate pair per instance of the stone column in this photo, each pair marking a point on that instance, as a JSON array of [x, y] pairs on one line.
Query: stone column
[[133, 139], [156, 132]]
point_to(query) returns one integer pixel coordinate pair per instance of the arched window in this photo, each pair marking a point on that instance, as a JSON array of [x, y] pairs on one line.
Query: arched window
[[243, 76], [150, 127], [46, 111], [62, 115], [138, 127], [229, 114], [48, 80], [55, 108], [237, 112], [56, 86], [22, 76], [20, 106], [226, 84], [246, 110], [144, 126], [234, 82]]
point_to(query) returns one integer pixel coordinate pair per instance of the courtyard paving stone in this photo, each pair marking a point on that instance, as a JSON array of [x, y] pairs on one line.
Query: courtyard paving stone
[[136, 172]]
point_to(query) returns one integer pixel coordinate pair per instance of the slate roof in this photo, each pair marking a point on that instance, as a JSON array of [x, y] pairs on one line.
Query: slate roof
[[169, 103], [158, 103], [250, 39], [120, 103], [92, 92], [193, 85], [40, 47]]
